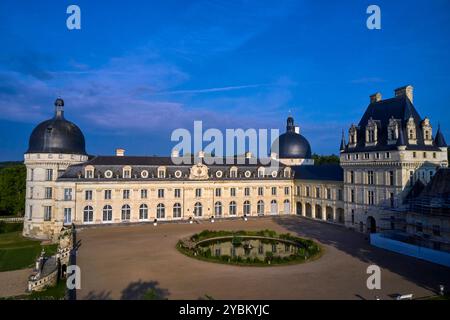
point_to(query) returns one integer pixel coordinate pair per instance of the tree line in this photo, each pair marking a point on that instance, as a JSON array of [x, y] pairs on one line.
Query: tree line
[[12, 188]]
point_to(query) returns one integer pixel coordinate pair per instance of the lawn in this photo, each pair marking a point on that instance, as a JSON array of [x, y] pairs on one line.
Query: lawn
[[17, 252]]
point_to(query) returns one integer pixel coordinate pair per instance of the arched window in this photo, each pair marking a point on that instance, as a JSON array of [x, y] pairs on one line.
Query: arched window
[[233, 172], [143, 212], [176, 210], [232, 208], [88, 214], [126, 212], [287, 207], [107, 213], [218, 209], [247, 208], [261, 172], [198, 209], [273, 207], [260, 207], [160, 211]]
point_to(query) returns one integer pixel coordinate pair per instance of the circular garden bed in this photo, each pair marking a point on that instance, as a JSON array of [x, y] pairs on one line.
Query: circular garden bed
[[249, 248]]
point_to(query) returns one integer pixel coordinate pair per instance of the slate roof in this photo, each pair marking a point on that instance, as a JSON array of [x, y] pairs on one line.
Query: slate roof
[[400, 108], [326, 172]]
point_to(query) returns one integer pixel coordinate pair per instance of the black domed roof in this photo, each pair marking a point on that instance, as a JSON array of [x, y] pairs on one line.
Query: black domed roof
[[292, 145], [57, 135]]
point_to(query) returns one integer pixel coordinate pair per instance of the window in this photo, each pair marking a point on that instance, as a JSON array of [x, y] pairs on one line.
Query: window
[[352, 196], [198, 193], [308, 191], [424, 155], [127, 173], [160, 211], [107, 213], [387, 155], [88, 214], [434, 155], [161, 173], [108, 194], [126, 212], [144, 194], [89, 174], [370, 177], [233, 192], [247, 208], [377, 155], [67, 194], [370, 196], [160, 193], [218, 192], [286, 191], [126, 194], [274, 191], [366, 155], [414, 154], [177, 210], [273, 207], [232, 208], [260, 207], [391, 198], [411, 178], [317, 192], [31, 174], [49, 175], [436, 230], [233, 173], [261, 173], [340, 197], [198, 209], [48, 193], [218, 209], [260, 191], [247, 192], [88, 195], [67, 215], [352, 177], [47, 213], [143, 212], [177, 193], [328, 193], [391, 178], [353, 216]]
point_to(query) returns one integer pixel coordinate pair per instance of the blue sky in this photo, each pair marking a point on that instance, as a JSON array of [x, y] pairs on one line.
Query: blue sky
[[139, 69]]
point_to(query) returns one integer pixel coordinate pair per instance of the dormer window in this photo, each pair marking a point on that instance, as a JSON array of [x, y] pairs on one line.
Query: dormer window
[[287, 172], [89, 172], [261, 172], [371, 133], [427, 132], [353, 136], [233, 172], [392, 131], [411, 129], [126, 172], [161, 172]]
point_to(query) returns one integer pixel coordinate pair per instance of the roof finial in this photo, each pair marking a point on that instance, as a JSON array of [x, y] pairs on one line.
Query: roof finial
[[59, 108]]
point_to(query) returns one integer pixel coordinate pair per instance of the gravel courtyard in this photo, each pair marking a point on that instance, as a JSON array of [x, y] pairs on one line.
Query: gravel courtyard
[[124, 262]]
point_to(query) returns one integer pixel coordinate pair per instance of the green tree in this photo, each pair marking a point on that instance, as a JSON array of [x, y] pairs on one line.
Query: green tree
[[12, 190], [331, 159]]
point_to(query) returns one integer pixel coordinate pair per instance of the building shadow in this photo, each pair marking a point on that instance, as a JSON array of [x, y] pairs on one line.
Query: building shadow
[[424, 274], [98, 296]]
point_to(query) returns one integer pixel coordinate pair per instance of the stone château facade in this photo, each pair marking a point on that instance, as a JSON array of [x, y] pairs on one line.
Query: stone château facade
[[390, 146]]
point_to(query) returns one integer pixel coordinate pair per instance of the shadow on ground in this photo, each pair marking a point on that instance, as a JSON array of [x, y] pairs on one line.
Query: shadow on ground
[[138, 290], [425, 274]]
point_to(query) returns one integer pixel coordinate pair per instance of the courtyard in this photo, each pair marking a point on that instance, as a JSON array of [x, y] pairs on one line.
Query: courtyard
[[125, 262]]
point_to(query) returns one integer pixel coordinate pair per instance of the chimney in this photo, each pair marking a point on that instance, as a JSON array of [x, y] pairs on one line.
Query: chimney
[[375, 97], [405, 91], [120, 152], [175, 153]]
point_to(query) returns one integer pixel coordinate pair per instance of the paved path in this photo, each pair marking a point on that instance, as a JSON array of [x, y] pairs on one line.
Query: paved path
[[14, 283], [123, 262]]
